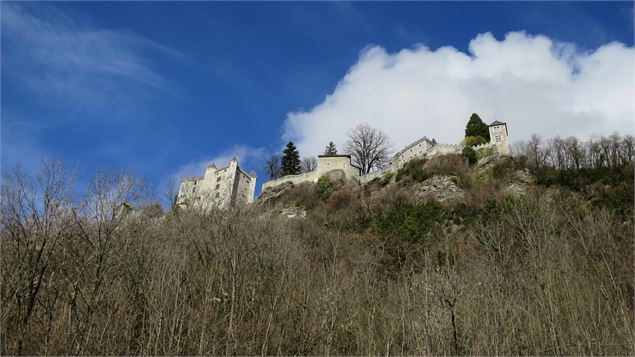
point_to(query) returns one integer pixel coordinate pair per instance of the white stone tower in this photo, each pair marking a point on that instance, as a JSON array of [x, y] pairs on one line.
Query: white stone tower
[[498, 136]]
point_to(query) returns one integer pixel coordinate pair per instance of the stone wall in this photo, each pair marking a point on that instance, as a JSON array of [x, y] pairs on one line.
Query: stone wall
[[294, 179], [326, 164], [228, 186], [422, 148], [364, 179]]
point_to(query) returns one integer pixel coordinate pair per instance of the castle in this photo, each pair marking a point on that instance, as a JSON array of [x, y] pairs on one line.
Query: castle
[[221, 188], [343, 168], [232, 187]]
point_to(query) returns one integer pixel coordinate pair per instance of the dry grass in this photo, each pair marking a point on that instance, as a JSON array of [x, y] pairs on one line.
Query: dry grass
[[543, 275]]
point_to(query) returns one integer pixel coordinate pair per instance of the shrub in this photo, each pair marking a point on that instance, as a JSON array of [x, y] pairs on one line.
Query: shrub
[[469, 154], [410, 223], [387, 177], [341, 198], [325, 187], [450, 165], [474, 140], [504, 169], [413, 169], [484, 152]]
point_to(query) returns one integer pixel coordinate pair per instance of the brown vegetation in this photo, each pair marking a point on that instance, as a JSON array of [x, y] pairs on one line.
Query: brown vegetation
[[544, 274]]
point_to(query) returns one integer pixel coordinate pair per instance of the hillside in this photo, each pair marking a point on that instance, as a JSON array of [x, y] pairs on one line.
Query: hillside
[[442, 257]]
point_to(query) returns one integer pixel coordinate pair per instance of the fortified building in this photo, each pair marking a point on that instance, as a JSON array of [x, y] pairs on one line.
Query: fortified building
[[221, 188]]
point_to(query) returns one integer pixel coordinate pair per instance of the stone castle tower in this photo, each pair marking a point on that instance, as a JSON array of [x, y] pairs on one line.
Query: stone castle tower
[[498, 136], [218, 188]]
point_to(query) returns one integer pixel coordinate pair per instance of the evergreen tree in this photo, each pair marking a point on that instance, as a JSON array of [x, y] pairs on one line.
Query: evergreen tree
[[290, 160], [330, 149], [476, 127]]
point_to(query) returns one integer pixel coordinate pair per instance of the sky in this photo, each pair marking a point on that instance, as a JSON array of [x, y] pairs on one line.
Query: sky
[[164, 88]]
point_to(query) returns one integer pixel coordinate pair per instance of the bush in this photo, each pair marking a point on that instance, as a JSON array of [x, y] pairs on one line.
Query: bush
[[413, 169], [387, 177], [470, 155], [504, 169], [474, 140], [325, 187], [341, 198], [410, 223], [484, 152]]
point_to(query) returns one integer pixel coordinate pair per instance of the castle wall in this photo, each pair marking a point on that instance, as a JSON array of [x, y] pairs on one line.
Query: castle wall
[[243, 194], [422, 148], [325, 165], [364, 179], [416, 150], [330, 163], [294, 179], [221, 188]]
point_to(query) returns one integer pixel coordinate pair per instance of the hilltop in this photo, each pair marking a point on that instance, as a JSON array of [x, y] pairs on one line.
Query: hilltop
[[442, 256]]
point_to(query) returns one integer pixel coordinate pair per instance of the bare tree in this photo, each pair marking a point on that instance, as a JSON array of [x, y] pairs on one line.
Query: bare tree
[[170, 193], [273, 167], [369, 148], [537, 154], [309, 164]]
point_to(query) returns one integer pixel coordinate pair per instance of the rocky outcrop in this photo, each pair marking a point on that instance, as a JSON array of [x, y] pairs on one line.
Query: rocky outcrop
[[439, 187], [293, 212], [272, 194]]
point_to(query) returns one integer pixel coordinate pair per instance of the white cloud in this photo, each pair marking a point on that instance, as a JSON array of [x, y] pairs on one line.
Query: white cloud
[[535, 84]]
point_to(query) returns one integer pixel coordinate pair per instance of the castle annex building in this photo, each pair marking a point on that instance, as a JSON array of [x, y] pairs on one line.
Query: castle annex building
[[218, 188], [340, 165]]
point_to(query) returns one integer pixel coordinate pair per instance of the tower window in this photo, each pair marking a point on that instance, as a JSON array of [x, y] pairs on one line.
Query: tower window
[[217, 186]]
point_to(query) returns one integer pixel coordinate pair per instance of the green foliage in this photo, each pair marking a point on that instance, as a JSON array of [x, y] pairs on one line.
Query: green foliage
[[504, 169], [470, 155], [290, 160], [484, 152], [603, 186], [413, 169], [386, 178], [476, 127], [325, 187], [330, 149], [474, 140], [408, 222]]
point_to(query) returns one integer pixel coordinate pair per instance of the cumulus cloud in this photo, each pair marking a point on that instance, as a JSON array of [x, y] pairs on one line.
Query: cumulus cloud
[[535, 84]]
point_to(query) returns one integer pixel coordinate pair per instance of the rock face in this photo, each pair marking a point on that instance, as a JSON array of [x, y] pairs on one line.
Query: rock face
[[272, 194], [293, 212], [518, 183], [440, 188]]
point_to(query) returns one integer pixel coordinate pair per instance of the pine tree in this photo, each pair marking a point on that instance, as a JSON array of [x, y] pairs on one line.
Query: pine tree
[[330, 149], [476, 127], [290, 160]]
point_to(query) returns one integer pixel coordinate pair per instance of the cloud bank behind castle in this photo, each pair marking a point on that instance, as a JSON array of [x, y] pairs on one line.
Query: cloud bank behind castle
[[536, 84]]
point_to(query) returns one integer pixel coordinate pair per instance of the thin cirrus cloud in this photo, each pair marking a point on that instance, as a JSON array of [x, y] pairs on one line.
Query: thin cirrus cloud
[[534, 83], [49, 54]]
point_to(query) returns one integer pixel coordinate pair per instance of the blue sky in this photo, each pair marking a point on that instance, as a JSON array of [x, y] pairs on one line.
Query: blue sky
[[162, 88]]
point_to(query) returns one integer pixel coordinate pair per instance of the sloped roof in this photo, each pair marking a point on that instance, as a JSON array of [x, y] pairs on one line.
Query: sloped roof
[[413, 144], [496, 122]]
